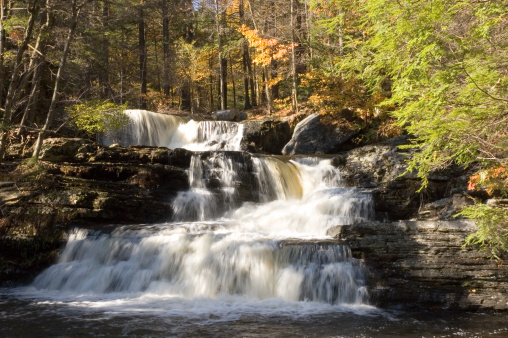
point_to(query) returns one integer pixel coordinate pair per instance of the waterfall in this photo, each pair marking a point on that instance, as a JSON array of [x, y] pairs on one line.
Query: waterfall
[[144, 128], [251, 228], [168, 261], [151, 129]]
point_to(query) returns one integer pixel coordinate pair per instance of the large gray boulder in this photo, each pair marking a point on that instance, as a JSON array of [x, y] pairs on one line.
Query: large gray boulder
[[229, 115], [267, 136], [314, 135]]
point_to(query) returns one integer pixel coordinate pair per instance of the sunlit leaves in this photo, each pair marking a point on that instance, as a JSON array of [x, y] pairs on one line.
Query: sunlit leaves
[[98, 116]]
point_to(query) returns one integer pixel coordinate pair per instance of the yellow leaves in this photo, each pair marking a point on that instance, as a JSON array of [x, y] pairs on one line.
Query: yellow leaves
[[194, 62], [268, 49], [389, 129]]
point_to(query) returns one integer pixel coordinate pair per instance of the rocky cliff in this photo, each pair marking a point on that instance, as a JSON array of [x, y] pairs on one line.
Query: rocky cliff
[[420, 261], [425, 263]]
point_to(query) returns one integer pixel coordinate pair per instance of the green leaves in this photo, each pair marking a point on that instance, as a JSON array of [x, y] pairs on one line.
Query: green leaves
[[446, 62], [492, 233], [98, 116]]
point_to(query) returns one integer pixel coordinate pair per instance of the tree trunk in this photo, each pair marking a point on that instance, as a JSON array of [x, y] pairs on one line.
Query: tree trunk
[[223, 62], [104, 72], [294, 92], [3, 35], [11, 92], [36, 62], [142, 58], [186, 102], [232, 80], [210, 65], [165, 46], [253, 84], [274, 74], [245, 55], [268, 90], [51, 111]]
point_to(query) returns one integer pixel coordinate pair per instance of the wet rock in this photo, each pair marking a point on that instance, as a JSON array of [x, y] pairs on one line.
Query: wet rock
[[424, 263], [314, 135], [268, 136]]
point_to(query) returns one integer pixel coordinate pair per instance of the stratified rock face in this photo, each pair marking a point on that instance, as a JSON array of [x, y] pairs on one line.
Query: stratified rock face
[[313, 136], [81, 181], [380, 169], [424, 263], [268, 136]]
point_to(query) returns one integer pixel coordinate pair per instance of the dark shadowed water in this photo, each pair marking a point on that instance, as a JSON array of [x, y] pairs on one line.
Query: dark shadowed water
[[22, 315]]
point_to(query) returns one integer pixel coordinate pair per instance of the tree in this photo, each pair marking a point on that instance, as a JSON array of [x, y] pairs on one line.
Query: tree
[[76, 8], [444, 63], [32, 8]]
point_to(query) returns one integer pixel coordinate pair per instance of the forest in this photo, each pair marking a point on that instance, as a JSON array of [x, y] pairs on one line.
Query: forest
[[434, 70]]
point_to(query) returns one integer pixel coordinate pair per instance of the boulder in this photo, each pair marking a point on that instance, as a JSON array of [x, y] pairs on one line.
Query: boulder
[[267, 136], [315, 135], [62, 149], [225, 115]]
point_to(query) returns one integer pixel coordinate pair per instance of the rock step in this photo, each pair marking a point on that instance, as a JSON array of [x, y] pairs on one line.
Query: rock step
[[425, 263]]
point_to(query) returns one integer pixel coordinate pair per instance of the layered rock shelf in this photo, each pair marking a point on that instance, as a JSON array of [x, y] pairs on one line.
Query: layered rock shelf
[[425, 263], [413, 262]]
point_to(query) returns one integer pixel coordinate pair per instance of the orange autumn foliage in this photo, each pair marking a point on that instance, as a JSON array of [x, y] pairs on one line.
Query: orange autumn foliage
[[491, 179]]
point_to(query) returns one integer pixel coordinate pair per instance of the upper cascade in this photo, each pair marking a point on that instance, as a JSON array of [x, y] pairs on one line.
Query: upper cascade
[[152, 129]]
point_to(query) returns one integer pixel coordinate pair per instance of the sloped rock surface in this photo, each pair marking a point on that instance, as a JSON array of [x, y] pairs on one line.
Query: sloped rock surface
[[314, 136], [380, 169]]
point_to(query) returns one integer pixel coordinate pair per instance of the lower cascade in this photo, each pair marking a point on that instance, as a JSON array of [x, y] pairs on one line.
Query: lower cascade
[[273, 246]]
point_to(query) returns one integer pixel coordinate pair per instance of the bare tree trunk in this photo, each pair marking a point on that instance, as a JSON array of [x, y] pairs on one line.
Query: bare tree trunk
[[252, 80], [274, 75], [268, 90], [210, 65], [76, 9], [36, 62], [142, 58], [11, 92], [223, 62], [232, 80], [3, 36], [294, 92], [165, 47], [245, 59], [104, 73]]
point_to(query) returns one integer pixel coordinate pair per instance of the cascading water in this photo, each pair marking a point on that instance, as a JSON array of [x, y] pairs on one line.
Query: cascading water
[[144, 128], [216, 250], [250, 235], [151, 129], [220, 267]]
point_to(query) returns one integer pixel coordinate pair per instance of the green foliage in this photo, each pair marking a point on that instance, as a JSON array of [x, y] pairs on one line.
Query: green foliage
[[98, 116], [492, 233], [445, 63]]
